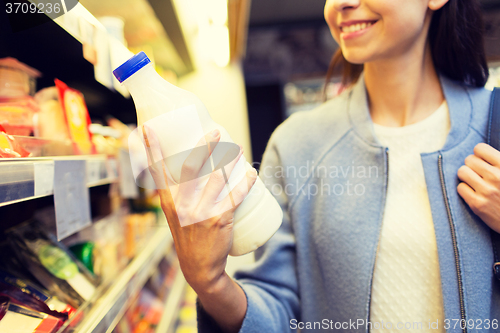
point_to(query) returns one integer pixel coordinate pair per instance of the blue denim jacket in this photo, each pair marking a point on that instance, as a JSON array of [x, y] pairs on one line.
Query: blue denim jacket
[[329, 173]]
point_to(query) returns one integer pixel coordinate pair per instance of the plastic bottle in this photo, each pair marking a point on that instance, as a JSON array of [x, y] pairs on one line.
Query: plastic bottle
[[179, 119]]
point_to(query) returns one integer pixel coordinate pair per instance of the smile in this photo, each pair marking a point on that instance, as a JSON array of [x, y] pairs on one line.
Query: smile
[[355, 28]]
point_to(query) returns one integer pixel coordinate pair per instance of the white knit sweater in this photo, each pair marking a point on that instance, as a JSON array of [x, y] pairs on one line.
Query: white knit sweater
[[406, 284]]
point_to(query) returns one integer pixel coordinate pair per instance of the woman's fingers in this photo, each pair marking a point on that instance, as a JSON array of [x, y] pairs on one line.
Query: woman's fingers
[[469, 176], [219, 178], [481, 167], [194, 162], [239, 192], [198, 156], [155, 157], [487, 153], [160, 175], [467, 193]]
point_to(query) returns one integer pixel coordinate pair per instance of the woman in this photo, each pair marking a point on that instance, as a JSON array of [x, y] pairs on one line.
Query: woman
[[389, 228]]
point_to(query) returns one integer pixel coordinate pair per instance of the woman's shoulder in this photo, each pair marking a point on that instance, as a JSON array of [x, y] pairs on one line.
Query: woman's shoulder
[[480, 98], [469, 107], [324, 122]]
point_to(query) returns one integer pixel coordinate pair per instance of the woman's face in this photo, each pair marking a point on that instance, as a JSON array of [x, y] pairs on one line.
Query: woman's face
[[369, 30]]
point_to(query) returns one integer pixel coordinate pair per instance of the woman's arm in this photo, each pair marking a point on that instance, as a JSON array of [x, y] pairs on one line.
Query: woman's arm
[[226, 303], [270, 284], [265, 298], [202, 229]]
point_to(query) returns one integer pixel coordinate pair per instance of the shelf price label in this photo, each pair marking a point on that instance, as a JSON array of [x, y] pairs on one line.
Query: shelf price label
[[71, 197], [44, 178], [95, 172], [128, 188]]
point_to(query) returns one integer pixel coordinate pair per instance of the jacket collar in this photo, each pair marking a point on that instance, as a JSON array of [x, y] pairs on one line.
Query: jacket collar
[[456, 95]]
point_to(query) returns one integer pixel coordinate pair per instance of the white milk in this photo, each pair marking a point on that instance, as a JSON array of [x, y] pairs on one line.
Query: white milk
[[179, 120]]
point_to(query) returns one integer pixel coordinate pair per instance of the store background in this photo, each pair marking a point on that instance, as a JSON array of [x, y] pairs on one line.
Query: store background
[[252, 63]]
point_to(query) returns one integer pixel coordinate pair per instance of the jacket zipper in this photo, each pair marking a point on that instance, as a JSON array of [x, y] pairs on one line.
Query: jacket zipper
[[379, 231], [454, 240]]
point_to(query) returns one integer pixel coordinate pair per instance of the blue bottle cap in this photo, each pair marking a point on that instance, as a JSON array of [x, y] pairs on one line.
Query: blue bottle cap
[[131, 66]]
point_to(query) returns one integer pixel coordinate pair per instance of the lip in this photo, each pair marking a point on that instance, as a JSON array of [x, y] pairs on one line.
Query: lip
[[351, 35]]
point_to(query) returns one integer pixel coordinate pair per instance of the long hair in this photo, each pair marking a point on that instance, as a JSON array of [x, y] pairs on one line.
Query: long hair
[[456, 42]]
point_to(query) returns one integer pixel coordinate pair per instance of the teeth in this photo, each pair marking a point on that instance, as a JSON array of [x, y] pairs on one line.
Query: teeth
[[356, 27]]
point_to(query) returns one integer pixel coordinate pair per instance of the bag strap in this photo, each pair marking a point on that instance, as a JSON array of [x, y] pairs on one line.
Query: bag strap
[[494, 141]]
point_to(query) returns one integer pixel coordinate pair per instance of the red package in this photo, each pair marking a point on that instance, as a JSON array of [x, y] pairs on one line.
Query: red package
[[15, 318], [77, 118], [9, 147]]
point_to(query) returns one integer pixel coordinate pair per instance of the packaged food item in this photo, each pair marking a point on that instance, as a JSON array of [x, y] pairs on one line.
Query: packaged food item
[[52, 264], [38, 147], [137, 228], [131, 235], [85, 253], [100, 246], [162, 279], [51, 122], [17, 114], [17, 79], [109, 257], [143, 315], [77, 118], [17, 296], [10, 147], [105, 139], [17, 106], [19, 319], [29, 288], [123, 129], [179, 120]]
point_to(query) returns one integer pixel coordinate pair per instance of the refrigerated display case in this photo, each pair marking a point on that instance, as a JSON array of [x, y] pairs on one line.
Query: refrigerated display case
[[29, 186]]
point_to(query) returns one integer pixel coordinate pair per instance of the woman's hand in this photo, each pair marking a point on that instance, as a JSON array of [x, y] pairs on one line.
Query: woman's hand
[[202, 228], [480, 187]]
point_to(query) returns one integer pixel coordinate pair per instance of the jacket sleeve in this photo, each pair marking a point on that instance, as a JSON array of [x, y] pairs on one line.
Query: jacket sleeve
[[270, 284]]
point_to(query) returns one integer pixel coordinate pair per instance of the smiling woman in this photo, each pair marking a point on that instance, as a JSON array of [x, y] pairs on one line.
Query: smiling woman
[[454, 38], [415, 246]]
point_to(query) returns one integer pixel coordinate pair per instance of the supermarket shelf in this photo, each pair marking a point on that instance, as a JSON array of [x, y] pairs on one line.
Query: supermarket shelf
[[57, 53], [26, 179], [172, 305], [108, 309]]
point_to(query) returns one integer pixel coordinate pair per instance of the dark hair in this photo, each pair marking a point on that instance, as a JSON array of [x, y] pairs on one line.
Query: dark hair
[[456, 41]]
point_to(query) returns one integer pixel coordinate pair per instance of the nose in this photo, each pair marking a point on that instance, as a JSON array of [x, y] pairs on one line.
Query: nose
[[341, 5]]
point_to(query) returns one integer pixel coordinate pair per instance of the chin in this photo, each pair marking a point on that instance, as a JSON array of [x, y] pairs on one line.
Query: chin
[[357, 59]]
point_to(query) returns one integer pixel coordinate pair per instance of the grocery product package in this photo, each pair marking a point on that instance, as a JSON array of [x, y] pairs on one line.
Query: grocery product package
[[19, 319], [17, 106], [143, 315], [100, 245], [51, 122], [10, 147], [17, 115], [58, 308], [77, 118], [137, 228], [105, 139], [52, 264], [16, 78]]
